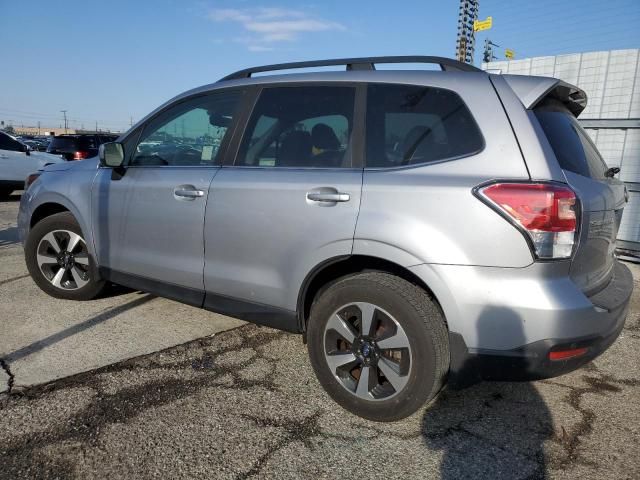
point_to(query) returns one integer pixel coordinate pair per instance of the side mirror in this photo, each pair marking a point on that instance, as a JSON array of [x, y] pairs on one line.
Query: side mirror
[[26, 149], [111, 154]]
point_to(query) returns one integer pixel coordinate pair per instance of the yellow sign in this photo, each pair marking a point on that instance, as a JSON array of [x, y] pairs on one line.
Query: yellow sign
[[480, 25], [510, 54]]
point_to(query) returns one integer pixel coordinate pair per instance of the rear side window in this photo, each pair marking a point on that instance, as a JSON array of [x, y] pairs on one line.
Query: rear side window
[[408, 125], [302, 127], [570, 143]]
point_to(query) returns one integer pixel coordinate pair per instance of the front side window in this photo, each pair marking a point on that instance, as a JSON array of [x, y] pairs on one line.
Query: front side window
[[300, 127], [408, 125], [189, 134], [9, 143]]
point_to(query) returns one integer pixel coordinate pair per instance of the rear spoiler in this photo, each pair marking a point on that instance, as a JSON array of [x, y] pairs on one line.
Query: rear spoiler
[[533, 90]]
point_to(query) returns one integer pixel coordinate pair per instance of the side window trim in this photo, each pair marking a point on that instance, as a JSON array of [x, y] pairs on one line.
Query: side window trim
[[220, 158], [357, 134], [247, 106]]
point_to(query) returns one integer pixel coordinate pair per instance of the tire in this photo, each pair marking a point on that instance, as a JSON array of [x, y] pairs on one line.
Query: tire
[[5, 193], [79, 279], [396, 307]]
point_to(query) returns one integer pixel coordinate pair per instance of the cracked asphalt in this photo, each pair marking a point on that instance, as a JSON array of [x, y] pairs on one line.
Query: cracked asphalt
[[245, 404]]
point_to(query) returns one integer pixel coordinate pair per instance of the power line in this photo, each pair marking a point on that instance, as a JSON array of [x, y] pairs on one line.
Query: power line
[[36, 115], [527, 27]]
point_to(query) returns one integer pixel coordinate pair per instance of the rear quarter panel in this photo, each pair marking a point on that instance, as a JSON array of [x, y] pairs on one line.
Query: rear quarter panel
[[428, 214]]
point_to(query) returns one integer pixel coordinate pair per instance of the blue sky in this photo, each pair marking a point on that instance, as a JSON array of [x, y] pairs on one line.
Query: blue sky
[[113, 60]]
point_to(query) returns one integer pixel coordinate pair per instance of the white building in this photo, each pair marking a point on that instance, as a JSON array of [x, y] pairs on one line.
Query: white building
[[612, 117]]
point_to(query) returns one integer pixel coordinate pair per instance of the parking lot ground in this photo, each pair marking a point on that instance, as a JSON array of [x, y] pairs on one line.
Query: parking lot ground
[[245, 404], [43, 338]]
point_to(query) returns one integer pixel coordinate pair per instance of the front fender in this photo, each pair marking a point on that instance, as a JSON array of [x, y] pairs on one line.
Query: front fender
[[55, 188]]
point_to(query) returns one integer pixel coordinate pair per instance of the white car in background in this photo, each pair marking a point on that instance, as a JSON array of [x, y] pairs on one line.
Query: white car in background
[[17, 161]]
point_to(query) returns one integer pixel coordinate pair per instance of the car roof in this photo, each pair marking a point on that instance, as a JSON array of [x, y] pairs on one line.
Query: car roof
[[357, 70], [358, 63]]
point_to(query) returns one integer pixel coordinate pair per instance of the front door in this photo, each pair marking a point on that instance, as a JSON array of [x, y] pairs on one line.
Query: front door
[[15, 164], [149, 216], [289, 202]]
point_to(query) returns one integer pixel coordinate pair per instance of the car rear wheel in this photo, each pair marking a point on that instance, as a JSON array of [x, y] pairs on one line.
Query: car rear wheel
[[59, 261], [378, 345]]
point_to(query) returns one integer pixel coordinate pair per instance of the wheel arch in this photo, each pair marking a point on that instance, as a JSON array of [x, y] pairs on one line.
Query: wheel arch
[[45, 210], [328, 271], [53, 204]]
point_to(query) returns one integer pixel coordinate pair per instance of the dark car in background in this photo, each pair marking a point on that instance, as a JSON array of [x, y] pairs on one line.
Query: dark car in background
[[78, 146], [36, 144]]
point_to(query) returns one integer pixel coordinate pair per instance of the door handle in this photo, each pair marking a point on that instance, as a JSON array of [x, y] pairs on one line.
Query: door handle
[[187, 192], [2, 155], [328, 197]]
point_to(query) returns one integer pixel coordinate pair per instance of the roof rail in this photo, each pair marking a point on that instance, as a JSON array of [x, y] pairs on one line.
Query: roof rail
[[362, 63]]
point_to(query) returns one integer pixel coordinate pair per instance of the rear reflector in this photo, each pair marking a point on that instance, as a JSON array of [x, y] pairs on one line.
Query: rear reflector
[[545, 212], [80, 155], [566, 354]]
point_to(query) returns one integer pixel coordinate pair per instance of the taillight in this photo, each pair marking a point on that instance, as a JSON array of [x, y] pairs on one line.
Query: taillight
[[80, 155], [30, 179], [545, 212]]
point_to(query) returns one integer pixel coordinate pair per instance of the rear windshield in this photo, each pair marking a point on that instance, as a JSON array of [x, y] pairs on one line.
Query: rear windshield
[[571, 144], [73, 143]]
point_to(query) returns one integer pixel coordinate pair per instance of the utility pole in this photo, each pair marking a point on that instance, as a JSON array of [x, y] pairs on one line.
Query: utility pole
[[488, 55], [131, 121], [97, 126], [465, 41], [64, 112], [38, 127]]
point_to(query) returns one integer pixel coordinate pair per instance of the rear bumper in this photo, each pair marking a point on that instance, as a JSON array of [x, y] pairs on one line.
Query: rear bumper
[[551, 316], [531, 361]]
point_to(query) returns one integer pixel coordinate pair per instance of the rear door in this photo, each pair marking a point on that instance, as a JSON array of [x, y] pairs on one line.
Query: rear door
[[602, 197], [289, 202]]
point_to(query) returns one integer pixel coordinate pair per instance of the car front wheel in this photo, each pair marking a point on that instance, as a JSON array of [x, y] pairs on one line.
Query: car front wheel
[[59, 261], [378, 345]]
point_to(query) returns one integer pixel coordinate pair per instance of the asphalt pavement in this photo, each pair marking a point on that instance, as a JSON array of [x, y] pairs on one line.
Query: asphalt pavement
[[44, 339], [244, 403]]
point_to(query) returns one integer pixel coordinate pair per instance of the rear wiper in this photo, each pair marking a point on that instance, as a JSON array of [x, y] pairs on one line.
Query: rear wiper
[[611, 172]]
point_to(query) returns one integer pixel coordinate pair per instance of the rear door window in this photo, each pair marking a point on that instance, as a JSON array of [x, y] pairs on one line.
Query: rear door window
[[409, 125], [302, 127], [572, 146]]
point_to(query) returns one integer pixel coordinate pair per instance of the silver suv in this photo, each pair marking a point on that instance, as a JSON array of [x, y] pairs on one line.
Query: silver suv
[[416, 227]]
